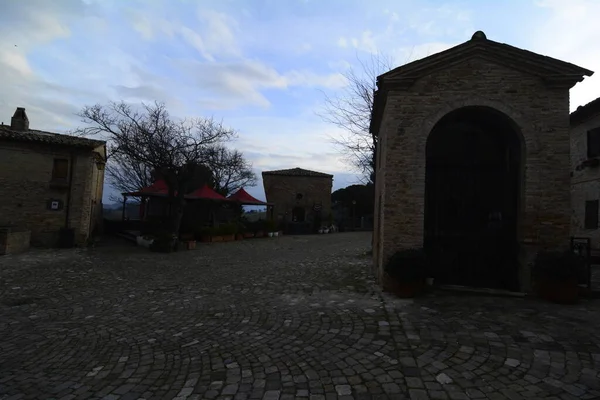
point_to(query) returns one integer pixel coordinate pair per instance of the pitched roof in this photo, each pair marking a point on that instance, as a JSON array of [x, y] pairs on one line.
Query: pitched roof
[[32, 135], [206, 193], [298, 172], [583, 113], [549, 69], [246, 198]]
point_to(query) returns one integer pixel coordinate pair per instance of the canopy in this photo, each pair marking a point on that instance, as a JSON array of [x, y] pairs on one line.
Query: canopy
[[245, 198], [205, 192]]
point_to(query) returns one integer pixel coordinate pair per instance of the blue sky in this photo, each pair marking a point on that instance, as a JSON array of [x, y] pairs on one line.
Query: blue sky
[[262, 66]]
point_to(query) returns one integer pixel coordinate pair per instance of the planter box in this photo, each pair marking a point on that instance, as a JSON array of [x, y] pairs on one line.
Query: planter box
[[228, 238], [259, 234], [248, 235], [205, 238], [216, 239], [403, 290], [190, 244], [239, 236], [13, 241], [560, 292]]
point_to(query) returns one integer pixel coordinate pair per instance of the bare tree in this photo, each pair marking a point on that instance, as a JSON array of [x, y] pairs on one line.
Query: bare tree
[[126, 174], [230, 169], [149, 137], [351, 110]]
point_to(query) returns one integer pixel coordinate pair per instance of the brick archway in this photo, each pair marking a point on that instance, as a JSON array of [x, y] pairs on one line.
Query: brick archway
[[472, 192]]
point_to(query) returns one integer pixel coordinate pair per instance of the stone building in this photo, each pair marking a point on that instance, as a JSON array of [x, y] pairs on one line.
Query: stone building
[[585, 170], [474, 161], [49, 181], [299, 196]]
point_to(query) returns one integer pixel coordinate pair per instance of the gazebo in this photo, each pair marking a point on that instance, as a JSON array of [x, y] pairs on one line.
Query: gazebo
[[246, 199]]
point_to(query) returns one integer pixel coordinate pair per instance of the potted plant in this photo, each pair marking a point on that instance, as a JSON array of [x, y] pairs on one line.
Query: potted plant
[[228, 232], [165, 243], [556, 276], [241, 230], [259, 229], [405, 273], [271, 227], [205, 235]]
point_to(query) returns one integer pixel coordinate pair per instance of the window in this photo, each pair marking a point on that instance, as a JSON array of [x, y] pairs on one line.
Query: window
[[591, 214], [60, 170], [593, 143]]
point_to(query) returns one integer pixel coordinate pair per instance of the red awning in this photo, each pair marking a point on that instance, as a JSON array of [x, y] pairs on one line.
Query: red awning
[[205, 192], [245, 198], [158, 188]]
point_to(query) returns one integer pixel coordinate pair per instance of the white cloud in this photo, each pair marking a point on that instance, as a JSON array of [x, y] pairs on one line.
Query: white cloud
[[572, 33]]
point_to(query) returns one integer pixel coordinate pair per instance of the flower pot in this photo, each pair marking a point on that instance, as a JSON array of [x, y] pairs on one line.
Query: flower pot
[[205, 238], [190, 244], [229, 238], [325, 230], [239, 236], [248, 235], [259, 234], [275, 234], [561, 292], [320, 230], [280, 233], [403, 290], [270, 234], [429, 281], [216, 238]]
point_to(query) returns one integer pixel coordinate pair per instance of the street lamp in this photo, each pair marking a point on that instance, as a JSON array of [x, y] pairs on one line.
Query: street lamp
[[353, 215]]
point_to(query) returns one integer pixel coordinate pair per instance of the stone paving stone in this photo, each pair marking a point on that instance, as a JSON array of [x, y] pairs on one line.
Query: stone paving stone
[[292, 317]]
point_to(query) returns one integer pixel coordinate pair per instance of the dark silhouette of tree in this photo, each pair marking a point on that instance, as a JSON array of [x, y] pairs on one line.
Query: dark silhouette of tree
[[150, 137], [351, 110], [231, 170]]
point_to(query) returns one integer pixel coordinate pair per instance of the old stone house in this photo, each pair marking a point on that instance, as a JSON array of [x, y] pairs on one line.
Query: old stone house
[[474, 161], [585, 170], [299, 196], [49, 182]]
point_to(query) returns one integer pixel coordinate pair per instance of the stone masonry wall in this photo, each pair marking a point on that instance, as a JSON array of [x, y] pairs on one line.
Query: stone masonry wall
[[585, 184], [281, 190], [542, 114], [13, 241], [25, 190]]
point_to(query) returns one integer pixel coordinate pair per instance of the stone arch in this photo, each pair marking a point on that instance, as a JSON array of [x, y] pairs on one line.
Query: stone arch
[[473, 191]]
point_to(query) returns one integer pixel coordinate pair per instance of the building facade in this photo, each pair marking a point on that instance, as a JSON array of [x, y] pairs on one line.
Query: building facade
[[585, 170], [299, 196], [474, 161], [49, 181]]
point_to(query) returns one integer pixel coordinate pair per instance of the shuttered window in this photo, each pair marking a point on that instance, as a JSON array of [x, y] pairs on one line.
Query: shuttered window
[[60, 169], [593, 143], [591, 214]]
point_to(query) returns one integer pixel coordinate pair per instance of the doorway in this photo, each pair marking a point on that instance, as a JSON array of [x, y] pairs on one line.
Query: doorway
[[472, 192]]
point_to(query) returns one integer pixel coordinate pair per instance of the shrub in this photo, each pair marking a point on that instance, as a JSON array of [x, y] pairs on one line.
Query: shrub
[[557, 265], [408, 266]]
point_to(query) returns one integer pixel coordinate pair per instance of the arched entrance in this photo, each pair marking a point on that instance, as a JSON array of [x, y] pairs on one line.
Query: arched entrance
[[472, 192]]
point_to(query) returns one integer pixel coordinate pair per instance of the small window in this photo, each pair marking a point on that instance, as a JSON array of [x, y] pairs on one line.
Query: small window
[[60, 169], [593, 143], [591, 214]]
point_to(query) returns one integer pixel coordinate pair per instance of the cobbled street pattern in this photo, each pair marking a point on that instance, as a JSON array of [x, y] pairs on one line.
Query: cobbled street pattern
[[281, 318]]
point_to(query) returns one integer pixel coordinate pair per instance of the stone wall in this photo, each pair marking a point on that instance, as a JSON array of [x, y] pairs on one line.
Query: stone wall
[[14, 241], [585, 183], [281, 191], [541, 113], [25, 190]]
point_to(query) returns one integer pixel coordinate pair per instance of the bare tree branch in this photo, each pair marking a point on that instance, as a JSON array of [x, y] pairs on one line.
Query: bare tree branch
[[351, 110], [231, 170]]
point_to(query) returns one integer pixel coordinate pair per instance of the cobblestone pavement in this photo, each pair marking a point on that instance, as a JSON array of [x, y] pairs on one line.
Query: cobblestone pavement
[[281, 318]]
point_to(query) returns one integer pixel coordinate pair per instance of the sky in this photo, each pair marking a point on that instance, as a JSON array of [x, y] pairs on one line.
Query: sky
[[264, 67]]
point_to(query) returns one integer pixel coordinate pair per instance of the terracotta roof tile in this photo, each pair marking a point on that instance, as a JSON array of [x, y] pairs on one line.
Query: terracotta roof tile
[[583, 113], [32, 135]]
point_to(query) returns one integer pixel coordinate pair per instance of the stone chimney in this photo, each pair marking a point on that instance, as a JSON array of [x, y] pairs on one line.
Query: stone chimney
[[19, 121]]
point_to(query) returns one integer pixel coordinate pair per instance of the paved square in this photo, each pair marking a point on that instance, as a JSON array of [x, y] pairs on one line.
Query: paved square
[[281, 318]]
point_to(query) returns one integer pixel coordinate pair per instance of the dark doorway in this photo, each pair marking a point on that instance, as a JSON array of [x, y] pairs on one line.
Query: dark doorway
[[298, 214], [472, 191]]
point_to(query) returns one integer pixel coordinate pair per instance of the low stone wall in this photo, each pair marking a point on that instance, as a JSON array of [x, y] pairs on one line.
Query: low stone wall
[[13, 240]]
